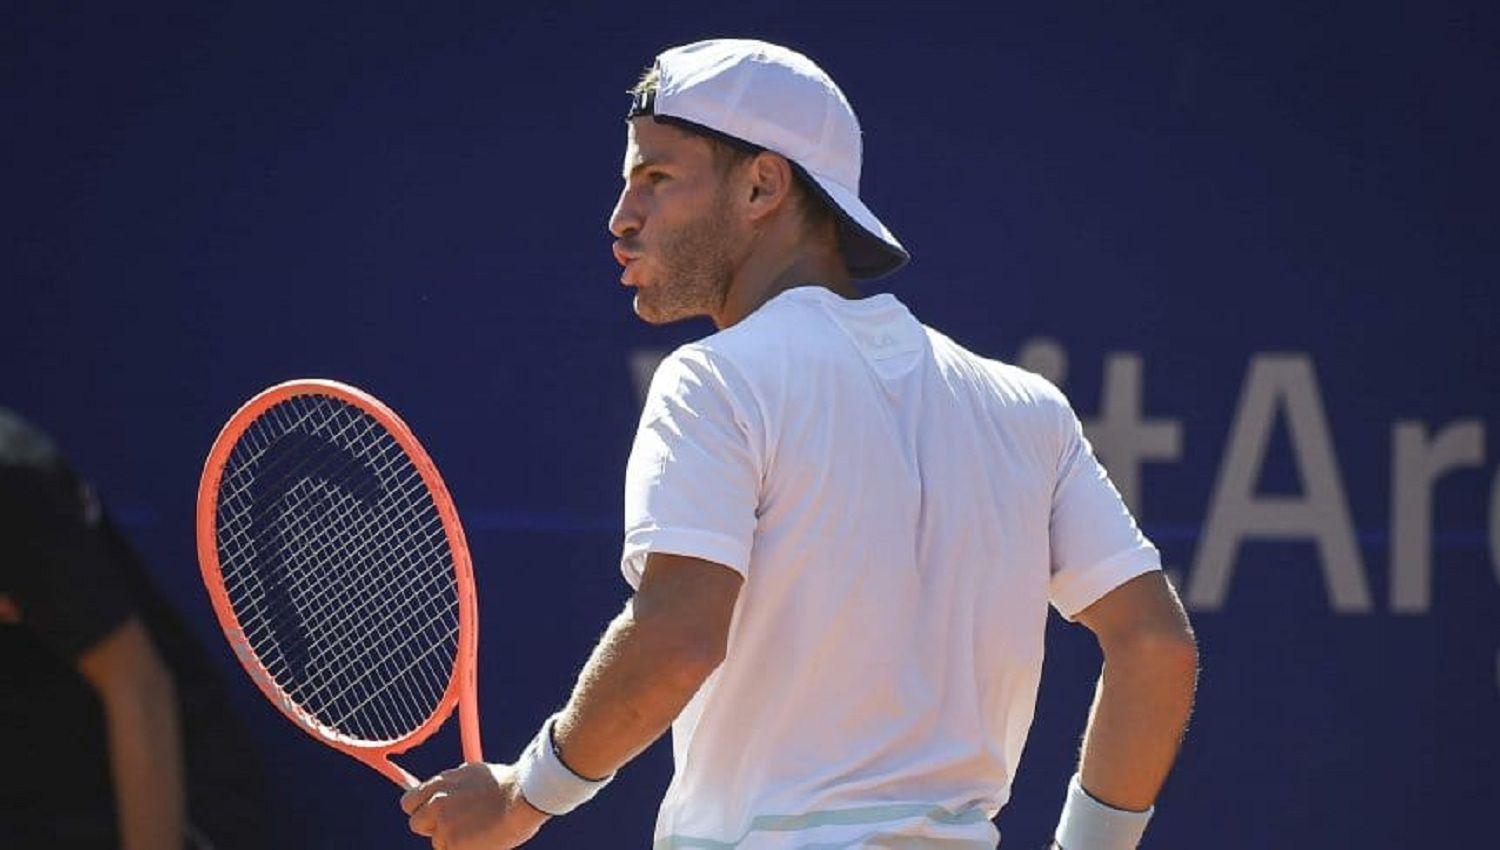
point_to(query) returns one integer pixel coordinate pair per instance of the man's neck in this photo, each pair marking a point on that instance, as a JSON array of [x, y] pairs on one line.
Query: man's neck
[[761, 278]]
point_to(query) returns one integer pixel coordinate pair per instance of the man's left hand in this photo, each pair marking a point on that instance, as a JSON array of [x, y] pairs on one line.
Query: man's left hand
[[473, 807]]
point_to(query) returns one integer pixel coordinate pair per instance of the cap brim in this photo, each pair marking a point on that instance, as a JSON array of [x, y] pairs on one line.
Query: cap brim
[[870, 249]]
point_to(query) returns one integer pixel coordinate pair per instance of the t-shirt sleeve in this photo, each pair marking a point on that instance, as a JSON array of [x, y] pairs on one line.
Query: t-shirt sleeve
[[59, 571], [1095, 543], [692, 485]]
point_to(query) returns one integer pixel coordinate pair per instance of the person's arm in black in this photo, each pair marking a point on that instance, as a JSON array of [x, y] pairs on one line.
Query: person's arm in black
[[144, 733], [66, 588]]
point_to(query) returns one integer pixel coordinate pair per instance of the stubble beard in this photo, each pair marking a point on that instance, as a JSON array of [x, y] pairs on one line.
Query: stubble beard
[[697, 267]]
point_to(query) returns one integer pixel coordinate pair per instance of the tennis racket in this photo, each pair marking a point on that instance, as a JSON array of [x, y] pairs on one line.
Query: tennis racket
[[339, 572]]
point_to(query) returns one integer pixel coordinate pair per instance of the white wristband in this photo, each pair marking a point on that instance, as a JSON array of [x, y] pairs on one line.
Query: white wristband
[[547, 783], [1088, 824]]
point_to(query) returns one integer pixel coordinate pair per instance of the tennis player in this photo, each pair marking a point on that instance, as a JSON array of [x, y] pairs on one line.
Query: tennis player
[[843, 529]]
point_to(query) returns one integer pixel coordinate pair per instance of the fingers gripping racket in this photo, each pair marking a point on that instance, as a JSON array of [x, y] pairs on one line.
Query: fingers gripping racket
[[339, 572]]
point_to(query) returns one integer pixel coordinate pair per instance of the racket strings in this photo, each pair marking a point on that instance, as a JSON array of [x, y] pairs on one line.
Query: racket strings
[[367, 620], [298, 500], [233, 506], [361, 618], [432, 528], [335, 560], [341, 521], [354, 616]]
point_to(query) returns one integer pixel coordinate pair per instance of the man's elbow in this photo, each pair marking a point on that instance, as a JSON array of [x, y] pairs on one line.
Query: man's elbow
[[1172, 648], [682, 614], [694, 656], [685, 651]]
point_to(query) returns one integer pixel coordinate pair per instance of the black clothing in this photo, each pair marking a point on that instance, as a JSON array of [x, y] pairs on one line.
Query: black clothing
[[75, 580]]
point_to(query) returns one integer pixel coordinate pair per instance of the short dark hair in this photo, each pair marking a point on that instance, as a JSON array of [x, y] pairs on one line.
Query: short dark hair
[[730, 152]]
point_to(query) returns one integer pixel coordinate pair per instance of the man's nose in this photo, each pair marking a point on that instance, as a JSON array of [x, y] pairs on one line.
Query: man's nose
[[625, 219]]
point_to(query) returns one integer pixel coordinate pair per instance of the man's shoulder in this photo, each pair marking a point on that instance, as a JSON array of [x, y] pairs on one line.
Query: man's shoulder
[[1011, 384], [699, 375]]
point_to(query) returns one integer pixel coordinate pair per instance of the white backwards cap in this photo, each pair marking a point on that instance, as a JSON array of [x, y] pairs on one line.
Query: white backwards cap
[[775, 98]]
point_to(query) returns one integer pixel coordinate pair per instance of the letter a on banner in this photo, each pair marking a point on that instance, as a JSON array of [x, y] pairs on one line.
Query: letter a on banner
[[1277, 383]]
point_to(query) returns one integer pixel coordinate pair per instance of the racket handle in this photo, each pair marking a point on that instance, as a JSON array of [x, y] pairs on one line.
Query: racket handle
[[394, 772]]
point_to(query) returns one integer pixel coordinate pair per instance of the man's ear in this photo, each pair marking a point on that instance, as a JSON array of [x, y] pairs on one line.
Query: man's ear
[[770, 177]]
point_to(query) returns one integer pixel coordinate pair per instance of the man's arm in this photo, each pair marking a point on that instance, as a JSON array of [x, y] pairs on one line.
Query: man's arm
[[1145, 692], [145, 753], [650, 662]]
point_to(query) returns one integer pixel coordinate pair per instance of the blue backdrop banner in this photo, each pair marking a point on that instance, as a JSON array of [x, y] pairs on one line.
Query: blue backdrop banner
[[1255, 244]]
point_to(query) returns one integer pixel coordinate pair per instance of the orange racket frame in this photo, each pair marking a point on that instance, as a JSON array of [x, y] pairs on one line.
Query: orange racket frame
[[461, 690]]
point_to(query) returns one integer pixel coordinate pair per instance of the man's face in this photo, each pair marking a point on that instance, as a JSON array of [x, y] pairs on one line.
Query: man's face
[[673, 224]]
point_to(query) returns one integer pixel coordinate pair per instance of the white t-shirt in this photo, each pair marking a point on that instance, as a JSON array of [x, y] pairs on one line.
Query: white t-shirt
[[903, 511]]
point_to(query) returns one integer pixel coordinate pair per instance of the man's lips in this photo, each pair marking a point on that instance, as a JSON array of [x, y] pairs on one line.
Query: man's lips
[[625, 257]]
